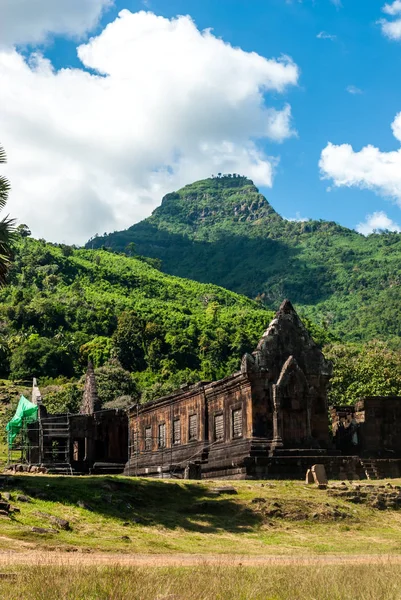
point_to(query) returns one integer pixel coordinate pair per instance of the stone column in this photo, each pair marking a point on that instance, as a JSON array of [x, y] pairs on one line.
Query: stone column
[[277, 419]]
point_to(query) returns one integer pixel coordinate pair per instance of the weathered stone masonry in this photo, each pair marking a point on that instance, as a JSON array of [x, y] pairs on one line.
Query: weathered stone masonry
[[275, 407]]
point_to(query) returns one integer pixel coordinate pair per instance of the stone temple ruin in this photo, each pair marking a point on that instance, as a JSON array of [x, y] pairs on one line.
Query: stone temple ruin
[[93, 441], [268, 420]]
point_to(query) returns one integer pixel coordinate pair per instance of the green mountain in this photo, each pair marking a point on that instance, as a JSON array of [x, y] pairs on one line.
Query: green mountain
[[223, 231]]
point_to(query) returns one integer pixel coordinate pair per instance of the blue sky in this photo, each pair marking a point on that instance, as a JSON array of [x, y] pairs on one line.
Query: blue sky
[[348, 91]]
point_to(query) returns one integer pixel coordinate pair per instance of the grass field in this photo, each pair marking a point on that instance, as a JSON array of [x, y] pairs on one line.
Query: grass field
[[361, 582], [128, 515]]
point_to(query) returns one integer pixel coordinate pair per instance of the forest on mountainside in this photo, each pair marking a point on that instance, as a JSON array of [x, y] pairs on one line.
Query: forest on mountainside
[[222, 230], [146, 332]]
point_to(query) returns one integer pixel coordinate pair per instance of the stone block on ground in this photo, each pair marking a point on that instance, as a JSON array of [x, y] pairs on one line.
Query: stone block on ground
[[22, 498], [60, 523], [226, 490], [43, 530], [84, 505], [319, 474], [309, 477]]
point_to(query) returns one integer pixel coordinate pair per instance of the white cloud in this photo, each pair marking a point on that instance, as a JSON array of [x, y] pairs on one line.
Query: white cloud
[[352, 89], [337, 3], [31, 21], [323, 35], [378, 221], [392, 29], [298, 218], [369, 168], [89, 153], [393, 9]]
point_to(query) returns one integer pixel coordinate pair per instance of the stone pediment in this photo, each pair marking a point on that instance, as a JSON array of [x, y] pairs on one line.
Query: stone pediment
[[287, 336], [291, 371]]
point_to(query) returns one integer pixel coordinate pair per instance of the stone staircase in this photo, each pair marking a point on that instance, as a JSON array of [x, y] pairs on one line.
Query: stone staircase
[[103, 468], [381, 468], [59, 469], [370, 469]]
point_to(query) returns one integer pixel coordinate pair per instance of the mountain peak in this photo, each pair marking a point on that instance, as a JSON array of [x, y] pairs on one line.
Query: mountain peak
[[223, 182], [217, 200]]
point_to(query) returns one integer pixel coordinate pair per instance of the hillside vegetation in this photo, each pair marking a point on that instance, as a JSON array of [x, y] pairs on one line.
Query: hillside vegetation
[[222, 230], [144, 330]]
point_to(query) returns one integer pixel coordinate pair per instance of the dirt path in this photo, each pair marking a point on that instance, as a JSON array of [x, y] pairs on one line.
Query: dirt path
[[178, 560]]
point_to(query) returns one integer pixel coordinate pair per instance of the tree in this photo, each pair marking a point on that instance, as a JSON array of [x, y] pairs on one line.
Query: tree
[[130, 341], [40, 357], [23, 230], [98, 350], [114, 382], [372, 369], [130, 249], [7, 229]]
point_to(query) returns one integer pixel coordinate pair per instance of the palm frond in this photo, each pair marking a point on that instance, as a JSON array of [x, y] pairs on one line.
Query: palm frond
[[4, 183], [7, 227], [3, 157], [4, 191]]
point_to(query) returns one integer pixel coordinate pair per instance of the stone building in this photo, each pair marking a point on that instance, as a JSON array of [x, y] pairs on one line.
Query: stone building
[[268, 420], [371, 428], [92, 441], [265, 419]]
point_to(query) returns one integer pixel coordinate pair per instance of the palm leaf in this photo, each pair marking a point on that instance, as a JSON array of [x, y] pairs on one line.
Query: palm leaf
[[4, 191], [3, 157], [7, 227], [4, 183], [7, 236]]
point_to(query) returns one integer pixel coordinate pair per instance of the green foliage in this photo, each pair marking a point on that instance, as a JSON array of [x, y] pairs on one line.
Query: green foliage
[[222, 230], [130, 341], [40, 356], [23, 230], [113, 382], [99, 351], [7, 226], [66, 305], [64, 399], [373, 369]]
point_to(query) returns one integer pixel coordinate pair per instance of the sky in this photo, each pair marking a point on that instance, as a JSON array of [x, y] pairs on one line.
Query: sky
[[105, 106]]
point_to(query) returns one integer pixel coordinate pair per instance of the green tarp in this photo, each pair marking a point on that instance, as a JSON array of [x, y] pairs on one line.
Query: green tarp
[[26, 413]]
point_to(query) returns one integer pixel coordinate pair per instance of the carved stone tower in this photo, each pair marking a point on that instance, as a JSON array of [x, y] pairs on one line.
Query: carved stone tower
[[90, 400], [290, 378]]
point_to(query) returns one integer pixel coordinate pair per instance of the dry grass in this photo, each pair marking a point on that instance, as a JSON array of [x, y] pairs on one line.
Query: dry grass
[[204, 582]]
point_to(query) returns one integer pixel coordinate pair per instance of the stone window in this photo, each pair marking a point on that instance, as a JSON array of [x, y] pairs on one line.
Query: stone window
[[177, 431], [148, 438], [134, 445], [193, 427], [237, 423], [161, 440], [219, 427]]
